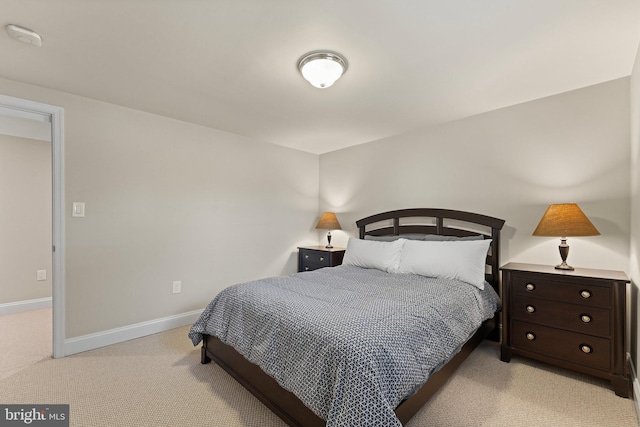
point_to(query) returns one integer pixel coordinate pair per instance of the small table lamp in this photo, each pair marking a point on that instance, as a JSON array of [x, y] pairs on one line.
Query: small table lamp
[[328, 221], [565, 220]]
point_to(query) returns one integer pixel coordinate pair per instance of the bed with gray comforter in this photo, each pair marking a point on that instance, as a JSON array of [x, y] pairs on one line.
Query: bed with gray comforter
[[350, 342]]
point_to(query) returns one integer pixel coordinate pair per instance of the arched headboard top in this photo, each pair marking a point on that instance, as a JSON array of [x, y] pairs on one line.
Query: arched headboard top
[[443, 222]]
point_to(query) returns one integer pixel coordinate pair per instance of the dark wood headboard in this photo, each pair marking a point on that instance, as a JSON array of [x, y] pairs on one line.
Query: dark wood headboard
[[444, 222]]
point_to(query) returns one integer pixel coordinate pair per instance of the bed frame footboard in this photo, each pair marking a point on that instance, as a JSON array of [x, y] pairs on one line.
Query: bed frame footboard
[[282, 402], [291, 409]]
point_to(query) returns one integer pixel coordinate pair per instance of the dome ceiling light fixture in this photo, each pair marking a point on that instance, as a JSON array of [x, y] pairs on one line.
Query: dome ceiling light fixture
[[24, 35], [322, 68]]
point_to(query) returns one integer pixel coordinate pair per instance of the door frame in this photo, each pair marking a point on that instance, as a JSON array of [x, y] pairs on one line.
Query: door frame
[[54, 114]]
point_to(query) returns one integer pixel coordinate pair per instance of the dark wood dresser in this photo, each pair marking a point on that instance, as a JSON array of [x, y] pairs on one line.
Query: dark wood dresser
[[573, 319], [315, 257]]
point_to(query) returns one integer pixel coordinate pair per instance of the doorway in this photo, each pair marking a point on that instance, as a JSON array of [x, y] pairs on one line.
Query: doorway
[[25, 109]]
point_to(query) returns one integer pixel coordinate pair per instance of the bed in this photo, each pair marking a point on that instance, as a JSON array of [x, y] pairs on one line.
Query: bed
[[342, 284]]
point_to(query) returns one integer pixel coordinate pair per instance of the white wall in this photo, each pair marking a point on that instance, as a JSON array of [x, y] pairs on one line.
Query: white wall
[[168, 200], [510, 163], [25, 218]]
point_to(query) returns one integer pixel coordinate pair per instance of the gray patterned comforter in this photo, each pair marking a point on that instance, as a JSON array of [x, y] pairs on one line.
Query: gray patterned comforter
[[351, 343]]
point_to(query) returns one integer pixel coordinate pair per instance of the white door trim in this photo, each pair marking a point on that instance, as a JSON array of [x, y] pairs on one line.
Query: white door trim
[[56, 116]]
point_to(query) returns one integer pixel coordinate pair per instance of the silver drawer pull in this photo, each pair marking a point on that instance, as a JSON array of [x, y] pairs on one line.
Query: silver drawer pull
[[531, 309], [585, 318], [531, 336], [586, 349], [306, 256], [585, 294], [321, 258], [530, 286], [306, 268]]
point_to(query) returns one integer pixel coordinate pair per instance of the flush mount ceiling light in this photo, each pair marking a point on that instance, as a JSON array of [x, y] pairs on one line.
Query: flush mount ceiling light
[[322, 69], [24, 35]]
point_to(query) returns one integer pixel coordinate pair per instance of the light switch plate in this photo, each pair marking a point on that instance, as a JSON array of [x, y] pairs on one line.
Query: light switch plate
[[41, 274], [78, 209], [177, 286]]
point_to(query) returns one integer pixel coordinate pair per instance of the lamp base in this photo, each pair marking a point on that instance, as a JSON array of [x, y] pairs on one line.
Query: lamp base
[[564, 266], [329, 246], [564, 253]]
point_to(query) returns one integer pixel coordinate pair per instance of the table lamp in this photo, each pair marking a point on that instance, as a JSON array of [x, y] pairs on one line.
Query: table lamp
[[565, 220], [328, 221]]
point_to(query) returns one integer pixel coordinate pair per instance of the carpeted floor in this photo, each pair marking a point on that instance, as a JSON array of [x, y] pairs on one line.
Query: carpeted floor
[[158, 381], [17, 352]]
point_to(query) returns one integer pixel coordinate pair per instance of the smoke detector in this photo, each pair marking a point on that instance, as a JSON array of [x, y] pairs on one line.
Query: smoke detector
[[24, 35]]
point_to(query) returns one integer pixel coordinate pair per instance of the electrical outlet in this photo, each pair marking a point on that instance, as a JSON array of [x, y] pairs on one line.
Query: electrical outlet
[[41, 274], [177, 287]]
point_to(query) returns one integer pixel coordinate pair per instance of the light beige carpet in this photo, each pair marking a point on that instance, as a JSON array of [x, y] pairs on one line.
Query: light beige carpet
[[159, 381], [25, 338]]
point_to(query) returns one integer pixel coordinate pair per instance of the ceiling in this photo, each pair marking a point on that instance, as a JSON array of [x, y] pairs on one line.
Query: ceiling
[[231, 64]]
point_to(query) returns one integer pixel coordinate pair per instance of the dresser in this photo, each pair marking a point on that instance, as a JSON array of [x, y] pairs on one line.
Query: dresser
[[315, 257], [573, 319]]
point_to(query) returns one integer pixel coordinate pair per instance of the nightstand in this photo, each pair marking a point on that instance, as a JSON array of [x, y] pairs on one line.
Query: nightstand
[[573, 319], [315, 257]]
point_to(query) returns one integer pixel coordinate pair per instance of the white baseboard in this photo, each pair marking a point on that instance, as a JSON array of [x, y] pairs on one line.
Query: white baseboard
[[126, 333], [27, 305], [635, 384]]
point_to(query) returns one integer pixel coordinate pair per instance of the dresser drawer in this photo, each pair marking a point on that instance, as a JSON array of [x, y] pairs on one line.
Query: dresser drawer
[[573, 293], [570, 346], [573, 317]]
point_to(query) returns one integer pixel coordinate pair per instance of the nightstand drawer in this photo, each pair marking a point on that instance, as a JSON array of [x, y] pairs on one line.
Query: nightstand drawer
[[317, 259], [573, 347], [574, 293], [313, 258], [573, 317], [307, 266]]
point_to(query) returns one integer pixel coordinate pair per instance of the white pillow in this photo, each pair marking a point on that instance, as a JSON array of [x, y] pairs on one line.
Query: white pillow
[[383, 256], [462, 260]]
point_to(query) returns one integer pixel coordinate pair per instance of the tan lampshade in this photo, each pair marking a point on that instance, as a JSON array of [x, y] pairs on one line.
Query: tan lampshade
[[328, 221], [565, 220]]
